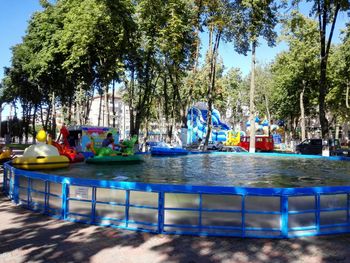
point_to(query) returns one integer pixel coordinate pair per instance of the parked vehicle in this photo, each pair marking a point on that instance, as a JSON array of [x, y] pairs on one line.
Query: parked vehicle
[[212, 146], [262, 143], [315, 146], [215, 146], [233, 149]]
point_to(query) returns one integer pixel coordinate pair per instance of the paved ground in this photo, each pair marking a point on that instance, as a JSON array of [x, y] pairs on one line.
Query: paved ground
[[30, 237]]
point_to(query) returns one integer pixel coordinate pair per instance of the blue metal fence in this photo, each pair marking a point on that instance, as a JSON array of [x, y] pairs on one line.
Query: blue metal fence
[[184, 209]]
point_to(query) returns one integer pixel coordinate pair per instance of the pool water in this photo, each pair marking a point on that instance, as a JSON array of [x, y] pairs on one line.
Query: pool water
[[221, 170]]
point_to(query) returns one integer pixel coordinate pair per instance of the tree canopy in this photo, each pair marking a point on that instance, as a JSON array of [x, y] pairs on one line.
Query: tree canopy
[[75, 50]]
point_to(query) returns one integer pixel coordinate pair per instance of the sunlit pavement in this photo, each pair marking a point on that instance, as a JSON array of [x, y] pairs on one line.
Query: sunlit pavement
[[29, 237]]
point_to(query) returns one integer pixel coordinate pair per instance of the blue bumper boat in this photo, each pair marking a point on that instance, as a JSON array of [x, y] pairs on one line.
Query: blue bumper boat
[[168, 151]]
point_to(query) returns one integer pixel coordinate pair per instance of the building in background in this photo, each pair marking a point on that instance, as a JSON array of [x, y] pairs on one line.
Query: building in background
[[121, 116]]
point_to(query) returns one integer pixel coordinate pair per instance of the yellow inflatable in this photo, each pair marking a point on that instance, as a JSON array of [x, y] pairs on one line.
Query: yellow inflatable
[[41, 148], [41, 156], [233, 138], [41, 162], [6, 155]]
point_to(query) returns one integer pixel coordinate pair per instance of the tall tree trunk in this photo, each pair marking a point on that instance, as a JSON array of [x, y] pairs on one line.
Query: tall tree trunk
[[33, 122], [24, 120], [267, 108], [166, 109], [131, 104], [27, 123], [323, 19], [24, 116], [189, 98], [113, 106], [345, 132], [337, 129], [302, 112], [295, 125], [347, 95], [251, 101], [137, 125], [42, 116], [78, 105], [99, 110], [195, 56], [211, 89], [106, 108], [70, 109], [321, 100], [89, 100], [47, 119], [172, 116], [53, 128]]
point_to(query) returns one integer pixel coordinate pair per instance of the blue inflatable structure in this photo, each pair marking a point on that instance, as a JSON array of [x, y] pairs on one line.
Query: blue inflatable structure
[[197, 125]]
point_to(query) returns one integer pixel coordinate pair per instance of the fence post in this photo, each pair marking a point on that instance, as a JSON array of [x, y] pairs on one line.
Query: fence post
[[160, 212], [317, 211], [11, 183], [348, 208], [127, 204], [4, 181], [284, 216], [16, 188], [243, 215], [93, 205], [65, 194]]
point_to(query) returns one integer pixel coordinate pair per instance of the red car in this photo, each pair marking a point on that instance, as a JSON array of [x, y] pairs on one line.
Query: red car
[[262, 143]]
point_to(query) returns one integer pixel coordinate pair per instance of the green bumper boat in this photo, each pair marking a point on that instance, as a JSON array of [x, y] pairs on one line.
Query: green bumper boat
[[106, 155]]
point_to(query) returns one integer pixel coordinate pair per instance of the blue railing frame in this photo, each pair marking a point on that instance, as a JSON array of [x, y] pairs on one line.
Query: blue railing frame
[[12, 188]]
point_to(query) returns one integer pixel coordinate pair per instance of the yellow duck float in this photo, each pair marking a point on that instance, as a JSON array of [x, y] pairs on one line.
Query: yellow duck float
[[41, 156]]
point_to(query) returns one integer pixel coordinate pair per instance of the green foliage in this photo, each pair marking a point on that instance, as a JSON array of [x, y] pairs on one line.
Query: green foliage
[[73, 48], [339, 79], [326, 12], [251, 20], [296, 69]]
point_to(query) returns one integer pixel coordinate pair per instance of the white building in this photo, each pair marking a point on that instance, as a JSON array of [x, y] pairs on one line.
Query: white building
[[121, 116]]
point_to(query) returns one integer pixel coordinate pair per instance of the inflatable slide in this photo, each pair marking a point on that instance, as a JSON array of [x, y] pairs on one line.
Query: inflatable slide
[[197, 124]]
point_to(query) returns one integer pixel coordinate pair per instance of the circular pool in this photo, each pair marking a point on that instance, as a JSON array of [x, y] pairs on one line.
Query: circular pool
[[258, 170], [230, 194]]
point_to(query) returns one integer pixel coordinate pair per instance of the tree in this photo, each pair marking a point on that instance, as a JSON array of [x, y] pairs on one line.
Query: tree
[[234, 96], [339, 81], [158, 60], [96, 43], [301, 36], [217, 16], [326, 12], [260, 19], [70, 48], [263, 79], [176, 45]]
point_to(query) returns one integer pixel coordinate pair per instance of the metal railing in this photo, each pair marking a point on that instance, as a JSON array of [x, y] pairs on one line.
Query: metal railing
[[184, 209]]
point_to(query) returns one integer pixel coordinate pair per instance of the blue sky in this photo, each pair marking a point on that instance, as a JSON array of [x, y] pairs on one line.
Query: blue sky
[[14, 16], [264, 53]]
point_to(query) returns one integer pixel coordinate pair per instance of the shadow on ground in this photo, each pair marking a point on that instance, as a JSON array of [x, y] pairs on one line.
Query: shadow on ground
[[26, 236]]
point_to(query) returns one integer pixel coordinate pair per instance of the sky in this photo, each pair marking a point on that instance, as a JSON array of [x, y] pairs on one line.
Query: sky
[[14, 17], [15, 14]]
